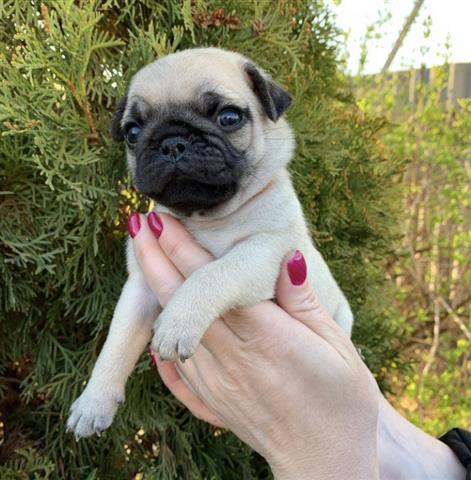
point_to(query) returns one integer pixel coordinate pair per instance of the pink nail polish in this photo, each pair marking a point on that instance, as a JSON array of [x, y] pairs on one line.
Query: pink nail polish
[[134, 224], [297, 269], [155, 224], [152, 355]]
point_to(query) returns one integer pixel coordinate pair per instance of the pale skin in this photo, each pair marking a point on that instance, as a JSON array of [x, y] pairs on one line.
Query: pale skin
[[287, 380]]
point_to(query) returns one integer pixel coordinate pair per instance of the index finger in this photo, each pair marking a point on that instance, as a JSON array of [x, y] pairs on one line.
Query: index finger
[[160, 274], [180, 247]]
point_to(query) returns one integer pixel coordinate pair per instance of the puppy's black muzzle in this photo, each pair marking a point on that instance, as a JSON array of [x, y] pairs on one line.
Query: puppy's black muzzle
[[187, 167]]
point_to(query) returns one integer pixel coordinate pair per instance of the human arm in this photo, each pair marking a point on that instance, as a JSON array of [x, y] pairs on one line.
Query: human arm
[[289, 382]]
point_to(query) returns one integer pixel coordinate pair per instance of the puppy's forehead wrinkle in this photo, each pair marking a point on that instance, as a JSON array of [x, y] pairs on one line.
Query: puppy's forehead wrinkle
[[201, 98], [222, 93], [138, 110]]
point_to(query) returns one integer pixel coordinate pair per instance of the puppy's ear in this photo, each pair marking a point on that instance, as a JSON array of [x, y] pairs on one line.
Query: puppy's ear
[[117, 133], [275, 101]]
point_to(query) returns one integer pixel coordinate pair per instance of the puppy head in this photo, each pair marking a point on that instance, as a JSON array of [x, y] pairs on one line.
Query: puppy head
[[199, 125]]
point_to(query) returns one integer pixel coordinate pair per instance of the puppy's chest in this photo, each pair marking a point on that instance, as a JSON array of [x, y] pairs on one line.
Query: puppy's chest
[[216, 241]]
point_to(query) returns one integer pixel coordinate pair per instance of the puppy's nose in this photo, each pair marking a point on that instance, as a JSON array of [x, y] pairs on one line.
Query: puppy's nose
[[173, 148]]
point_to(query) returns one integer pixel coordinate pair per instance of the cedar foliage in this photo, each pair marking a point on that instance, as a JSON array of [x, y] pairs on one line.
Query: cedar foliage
[[65, 194]]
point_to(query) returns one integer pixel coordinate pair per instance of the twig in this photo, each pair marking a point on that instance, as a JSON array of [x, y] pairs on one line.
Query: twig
[[402, 35], [462, 303], [455, 318], [84, 105], [433, 349]]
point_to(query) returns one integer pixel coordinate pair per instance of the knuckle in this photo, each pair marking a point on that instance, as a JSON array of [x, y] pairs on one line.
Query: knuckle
[[166, 291], [140, 253], [175, 249], [308, 302]]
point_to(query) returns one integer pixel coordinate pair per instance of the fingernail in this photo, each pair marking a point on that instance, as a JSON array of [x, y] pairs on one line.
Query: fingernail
[[155, 224], [297, 269], [134, 224], [152, 355]]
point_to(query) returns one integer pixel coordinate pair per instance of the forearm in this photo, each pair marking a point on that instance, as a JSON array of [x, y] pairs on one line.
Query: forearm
[[407, 453]]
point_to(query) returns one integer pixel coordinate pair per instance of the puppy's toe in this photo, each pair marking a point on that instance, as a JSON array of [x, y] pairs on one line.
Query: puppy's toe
[[72, 421], [187, 347], [174, 345], [84, 427], [101, 423], [165, 343], [167, 349]]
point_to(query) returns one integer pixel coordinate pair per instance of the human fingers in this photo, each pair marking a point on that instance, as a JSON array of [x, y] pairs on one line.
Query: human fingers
[[174, 382], [179, 246], [161, 275]]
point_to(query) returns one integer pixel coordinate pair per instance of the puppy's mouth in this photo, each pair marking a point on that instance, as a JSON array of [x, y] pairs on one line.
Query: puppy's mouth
[[187, 195]]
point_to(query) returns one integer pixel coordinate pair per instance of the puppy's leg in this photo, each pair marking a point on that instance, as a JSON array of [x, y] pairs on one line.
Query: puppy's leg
[[344, 316], [130, 332], [245, 275]]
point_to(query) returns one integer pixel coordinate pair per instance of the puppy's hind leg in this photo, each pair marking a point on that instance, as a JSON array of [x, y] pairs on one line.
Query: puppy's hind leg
[[130, 332], [344, 316]]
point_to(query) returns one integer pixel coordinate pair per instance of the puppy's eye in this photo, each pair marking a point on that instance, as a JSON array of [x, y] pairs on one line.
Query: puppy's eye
[[229, 118], [132, 133]]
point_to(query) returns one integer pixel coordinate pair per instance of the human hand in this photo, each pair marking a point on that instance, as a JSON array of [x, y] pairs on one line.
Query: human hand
[[284, 378]]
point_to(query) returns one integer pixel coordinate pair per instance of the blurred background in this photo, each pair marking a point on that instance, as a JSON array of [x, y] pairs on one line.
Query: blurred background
[[430, 33], [382, 115], [410, 62]]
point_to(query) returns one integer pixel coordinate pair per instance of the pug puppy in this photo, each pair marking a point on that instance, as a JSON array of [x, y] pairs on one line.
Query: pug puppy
[[205, 138]]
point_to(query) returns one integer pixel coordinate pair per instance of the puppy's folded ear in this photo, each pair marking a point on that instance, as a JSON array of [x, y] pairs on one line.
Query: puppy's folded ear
[[117, 133], [275, 101]]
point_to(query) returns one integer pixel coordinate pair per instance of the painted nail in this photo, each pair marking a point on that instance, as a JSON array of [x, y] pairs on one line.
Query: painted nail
[[297, 269], [155, 224], [134, 224], [152, 355]]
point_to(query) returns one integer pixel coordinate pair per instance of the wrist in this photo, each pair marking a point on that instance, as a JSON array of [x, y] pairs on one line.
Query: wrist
[[334, 474], [406, 452], [350, 462]]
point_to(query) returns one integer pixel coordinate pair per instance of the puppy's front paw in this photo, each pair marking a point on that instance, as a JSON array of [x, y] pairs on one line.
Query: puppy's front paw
[[176, 336], [93, 412]]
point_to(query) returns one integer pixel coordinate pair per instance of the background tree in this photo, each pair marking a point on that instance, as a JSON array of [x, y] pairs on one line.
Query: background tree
[[65, 195]]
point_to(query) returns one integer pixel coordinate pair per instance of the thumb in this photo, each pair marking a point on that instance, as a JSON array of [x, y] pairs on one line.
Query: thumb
[[295, 295]]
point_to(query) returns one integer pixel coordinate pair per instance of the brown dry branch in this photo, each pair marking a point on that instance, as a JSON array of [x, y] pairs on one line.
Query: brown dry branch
[[454, 316], [46, 18], [217, 18], [258, 27], [83, 103], [431, 355]]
